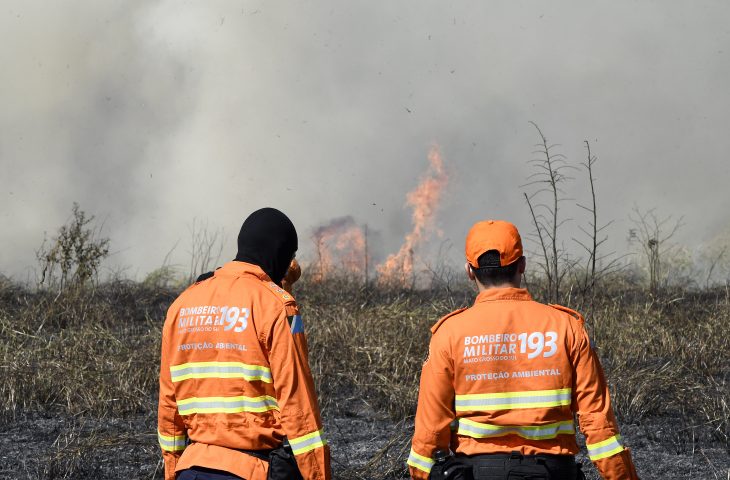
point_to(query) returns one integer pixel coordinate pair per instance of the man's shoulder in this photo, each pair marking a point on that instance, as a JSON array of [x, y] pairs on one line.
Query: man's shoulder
[[555, 308], [443, 319], [189, 291], [282, 296], [572, 313], [268, 289]]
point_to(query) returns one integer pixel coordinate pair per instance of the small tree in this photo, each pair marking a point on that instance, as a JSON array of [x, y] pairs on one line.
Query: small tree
[[548, 179], [73, 257], [715, 259], [206, 246], [598, 265], [654, 234]]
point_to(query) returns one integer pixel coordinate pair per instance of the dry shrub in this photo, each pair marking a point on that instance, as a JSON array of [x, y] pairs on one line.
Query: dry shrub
[[73, 257]]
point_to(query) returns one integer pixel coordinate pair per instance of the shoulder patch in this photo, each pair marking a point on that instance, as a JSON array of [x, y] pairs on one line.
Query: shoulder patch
[[444, 318], [280, 292], [296, 325], [569, 311]]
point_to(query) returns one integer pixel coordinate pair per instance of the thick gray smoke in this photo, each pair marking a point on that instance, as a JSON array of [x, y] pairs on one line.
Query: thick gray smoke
[[150, 114]]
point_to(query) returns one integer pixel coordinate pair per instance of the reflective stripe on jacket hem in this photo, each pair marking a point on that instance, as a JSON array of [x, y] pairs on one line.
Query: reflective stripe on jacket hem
[[307, 442], [175, 443], [513, 400], [220, 370], [420, 462], [606, 448], [470, 428], [192, 405]]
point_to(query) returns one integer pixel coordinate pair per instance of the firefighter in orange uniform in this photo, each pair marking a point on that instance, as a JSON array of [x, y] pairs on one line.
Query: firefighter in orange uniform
[[504, 379], [237, 398]]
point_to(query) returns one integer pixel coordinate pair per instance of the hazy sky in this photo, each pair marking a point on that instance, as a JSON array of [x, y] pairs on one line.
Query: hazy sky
[[150, 114]]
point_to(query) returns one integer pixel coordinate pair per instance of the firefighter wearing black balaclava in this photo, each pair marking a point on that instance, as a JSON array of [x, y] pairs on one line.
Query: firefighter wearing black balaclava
[[237, 399]]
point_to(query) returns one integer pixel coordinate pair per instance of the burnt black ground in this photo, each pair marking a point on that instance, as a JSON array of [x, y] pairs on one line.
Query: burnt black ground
[[364, 446]]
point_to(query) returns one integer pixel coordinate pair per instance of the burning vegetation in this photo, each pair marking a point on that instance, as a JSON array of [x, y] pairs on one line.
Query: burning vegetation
[[424, 200], [342, 245]]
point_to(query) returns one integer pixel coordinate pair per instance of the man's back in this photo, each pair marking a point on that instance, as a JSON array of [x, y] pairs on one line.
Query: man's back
[[512, 366], [234, 376], [513, 372]]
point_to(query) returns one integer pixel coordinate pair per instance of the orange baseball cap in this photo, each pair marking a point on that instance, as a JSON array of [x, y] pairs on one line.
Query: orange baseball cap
[[493, 235]]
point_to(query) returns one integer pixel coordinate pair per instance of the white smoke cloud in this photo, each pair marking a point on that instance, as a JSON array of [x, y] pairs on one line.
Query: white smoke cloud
[[151, 114]]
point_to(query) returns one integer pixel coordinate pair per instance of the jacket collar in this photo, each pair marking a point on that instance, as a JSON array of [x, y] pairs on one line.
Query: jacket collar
[[242, 268], [508, 293]]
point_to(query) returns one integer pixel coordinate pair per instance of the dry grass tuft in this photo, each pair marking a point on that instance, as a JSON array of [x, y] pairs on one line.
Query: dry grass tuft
[[667, 357], [82, 352]]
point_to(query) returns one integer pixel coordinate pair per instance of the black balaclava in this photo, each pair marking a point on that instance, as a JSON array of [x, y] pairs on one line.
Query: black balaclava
[[268, 239]]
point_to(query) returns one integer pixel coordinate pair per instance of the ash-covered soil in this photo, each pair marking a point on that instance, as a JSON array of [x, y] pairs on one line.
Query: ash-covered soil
[[364, 446]]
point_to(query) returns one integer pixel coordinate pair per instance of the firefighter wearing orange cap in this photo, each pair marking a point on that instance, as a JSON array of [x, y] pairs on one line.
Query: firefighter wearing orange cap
[[504, 379], [237, 399]]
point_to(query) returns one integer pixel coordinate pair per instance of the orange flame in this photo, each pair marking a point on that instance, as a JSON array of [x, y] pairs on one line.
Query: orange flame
[[341, 246], [424, 199]]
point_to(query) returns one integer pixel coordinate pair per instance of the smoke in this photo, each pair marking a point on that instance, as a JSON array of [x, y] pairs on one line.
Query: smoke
[[151, 114], [86, 109]]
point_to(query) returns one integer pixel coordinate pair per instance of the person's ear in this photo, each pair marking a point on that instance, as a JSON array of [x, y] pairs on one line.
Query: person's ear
[[469, 272], [522, 265]]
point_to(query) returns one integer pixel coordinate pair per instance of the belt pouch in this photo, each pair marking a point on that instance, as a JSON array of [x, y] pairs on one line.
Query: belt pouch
[[520, 468], [283, 465], [451, 469]]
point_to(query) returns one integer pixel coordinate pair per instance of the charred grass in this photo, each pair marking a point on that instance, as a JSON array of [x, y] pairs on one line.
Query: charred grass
[[78, 375]]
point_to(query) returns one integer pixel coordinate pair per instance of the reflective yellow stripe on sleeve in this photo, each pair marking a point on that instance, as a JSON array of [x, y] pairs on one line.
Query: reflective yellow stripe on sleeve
[[264, 403], [605, 449], [420, 462], [470, 428], [248, 372], [174, 443], [307, 442], [512, 400]]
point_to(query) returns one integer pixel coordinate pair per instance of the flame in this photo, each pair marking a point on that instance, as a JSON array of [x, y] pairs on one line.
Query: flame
[[340, 247], [424, 199]]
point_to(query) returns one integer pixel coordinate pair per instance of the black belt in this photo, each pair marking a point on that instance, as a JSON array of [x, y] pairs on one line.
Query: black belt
[[498, 465], [501, 458]]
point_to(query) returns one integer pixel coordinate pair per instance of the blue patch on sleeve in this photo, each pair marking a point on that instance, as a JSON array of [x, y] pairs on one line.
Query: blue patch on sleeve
[[296, 323]]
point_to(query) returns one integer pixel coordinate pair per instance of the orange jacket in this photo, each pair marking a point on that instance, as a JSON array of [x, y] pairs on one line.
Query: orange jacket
[[234, 375], [512, 372]]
